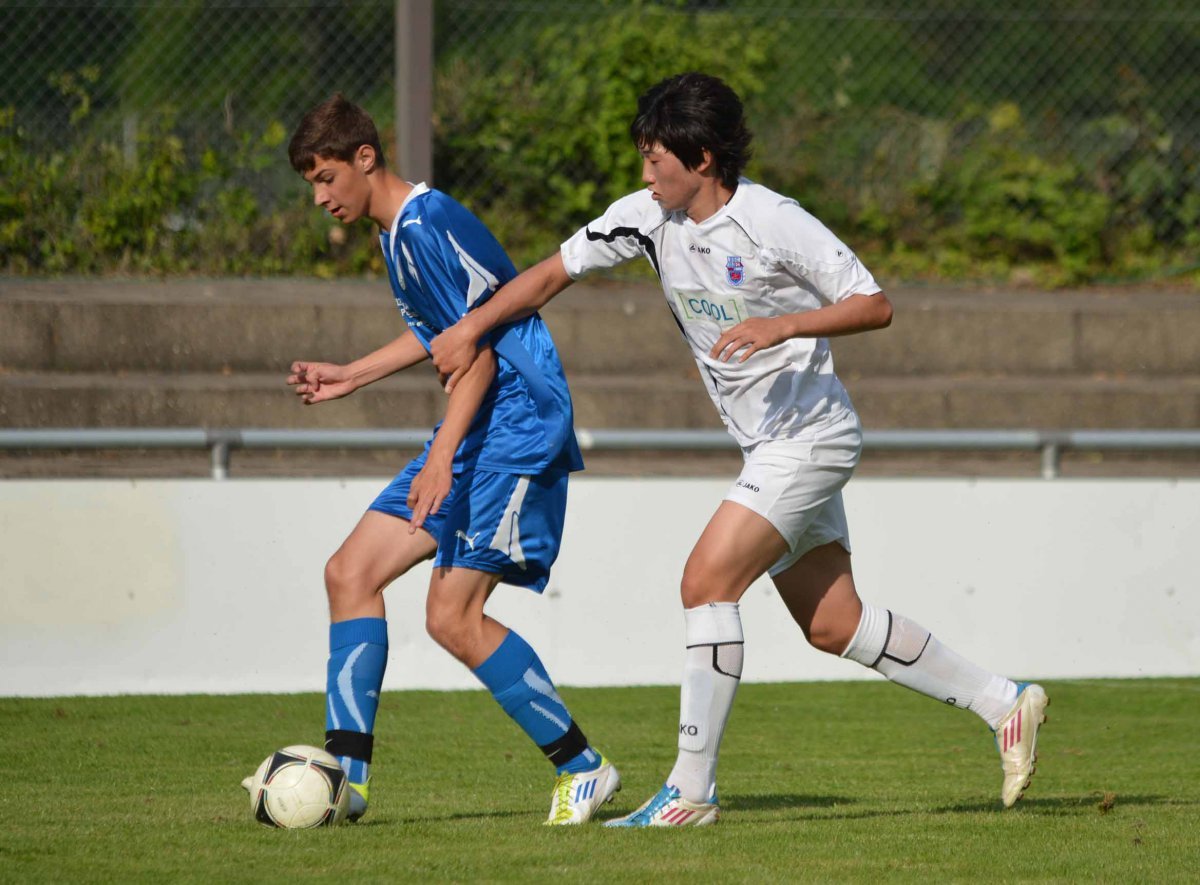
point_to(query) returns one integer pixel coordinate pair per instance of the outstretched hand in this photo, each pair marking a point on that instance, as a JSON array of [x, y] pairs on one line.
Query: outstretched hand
[[453, 353], [320, 382], [748, 337]]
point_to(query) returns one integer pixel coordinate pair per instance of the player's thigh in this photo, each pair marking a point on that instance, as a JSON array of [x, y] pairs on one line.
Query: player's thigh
[[819, 592], [379, 549], [736, 547]]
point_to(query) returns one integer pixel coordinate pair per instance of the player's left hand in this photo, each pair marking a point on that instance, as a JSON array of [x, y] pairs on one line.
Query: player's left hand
[[428, 490], [748, 337], [453, 352]]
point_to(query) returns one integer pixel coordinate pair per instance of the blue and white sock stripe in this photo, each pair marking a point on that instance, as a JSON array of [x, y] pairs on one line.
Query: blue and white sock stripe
[[534, 680], [534, 705], [345, 686]]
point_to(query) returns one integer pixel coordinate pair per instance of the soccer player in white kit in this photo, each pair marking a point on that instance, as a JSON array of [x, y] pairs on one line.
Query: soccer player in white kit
[[757, 285]]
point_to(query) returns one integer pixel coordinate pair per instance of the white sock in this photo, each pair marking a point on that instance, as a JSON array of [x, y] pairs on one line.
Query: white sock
[[711, 671], [909, 655]]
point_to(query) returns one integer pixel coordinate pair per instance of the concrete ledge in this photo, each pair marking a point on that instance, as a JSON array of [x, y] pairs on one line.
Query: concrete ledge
[[662, 401], [262, 325]]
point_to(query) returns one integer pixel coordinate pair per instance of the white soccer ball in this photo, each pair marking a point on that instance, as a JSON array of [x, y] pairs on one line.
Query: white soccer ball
[[299, 787]]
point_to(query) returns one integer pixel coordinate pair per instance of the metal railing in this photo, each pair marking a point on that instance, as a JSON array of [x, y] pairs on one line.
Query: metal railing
[[222, 442]]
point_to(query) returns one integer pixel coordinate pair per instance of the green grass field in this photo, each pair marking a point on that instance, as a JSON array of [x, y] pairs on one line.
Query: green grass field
[[819, 782]]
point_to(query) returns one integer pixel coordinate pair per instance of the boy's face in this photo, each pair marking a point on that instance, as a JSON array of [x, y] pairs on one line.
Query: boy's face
[[672, 184], [341, 188]]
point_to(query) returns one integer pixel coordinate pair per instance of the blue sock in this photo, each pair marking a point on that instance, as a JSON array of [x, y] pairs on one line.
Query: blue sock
[[357, 658], [520, 684]]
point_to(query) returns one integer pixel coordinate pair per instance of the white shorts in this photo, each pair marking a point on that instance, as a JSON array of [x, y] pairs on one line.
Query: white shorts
[[797, 487]]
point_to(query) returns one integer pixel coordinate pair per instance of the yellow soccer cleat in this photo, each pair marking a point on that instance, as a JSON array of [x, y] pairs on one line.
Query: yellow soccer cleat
[[577, 796], [358, 800]]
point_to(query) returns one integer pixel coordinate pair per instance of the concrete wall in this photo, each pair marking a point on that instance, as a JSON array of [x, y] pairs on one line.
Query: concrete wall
[[195, 586]]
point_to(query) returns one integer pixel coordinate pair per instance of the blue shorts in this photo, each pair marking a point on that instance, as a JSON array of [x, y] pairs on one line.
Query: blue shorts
[[501, 523]]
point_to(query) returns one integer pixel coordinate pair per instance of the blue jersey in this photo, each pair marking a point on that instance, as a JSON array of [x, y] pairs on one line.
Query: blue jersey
[[442, 261]]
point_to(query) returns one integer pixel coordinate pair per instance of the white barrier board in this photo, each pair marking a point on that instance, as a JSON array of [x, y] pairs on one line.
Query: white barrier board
[[179, 586]]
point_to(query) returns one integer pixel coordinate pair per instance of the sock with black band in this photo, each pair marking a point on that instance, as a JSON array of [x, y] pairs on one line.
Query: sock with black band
[[909, 655], [358, 651], [519, 683]]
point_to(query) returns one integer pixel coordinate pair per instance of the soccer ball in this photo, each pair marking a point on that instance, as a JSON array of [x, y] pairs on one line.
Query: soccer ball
[[299, 787]]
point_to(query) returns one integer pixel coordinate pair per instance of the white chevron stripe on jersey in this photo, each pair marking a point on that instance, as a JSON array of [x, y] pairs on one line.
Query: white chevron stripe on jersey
[[480, 279]]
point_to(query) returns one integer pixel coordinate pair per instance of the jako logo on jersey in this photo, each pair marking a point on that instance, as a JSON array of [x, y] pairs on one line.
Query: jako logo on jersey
[[703, 250], [742, 484], [735, 270]]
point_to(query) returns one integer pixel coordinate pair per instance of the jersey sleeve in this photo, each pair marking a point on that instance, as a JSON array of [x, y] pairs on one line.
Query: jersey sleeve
[[807, 250], [459, 262], [619, 235]]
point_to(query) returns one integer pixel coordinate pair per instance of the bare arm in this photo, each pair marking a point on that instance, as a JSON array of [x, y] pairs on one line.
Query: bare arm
[[431, 486], [320, 382], [454, 350], [858, 313]]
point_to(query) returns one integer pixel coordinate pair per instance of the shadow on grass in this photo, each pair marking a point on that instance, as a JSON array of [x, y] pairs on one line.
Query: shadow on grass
[[808, 807], [1096, 802], [777, 801], [454, 816]]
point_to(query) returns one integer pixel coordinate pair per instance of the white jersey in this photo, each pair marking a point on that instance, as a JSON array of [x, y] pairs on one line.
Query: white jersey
[[761, 255]]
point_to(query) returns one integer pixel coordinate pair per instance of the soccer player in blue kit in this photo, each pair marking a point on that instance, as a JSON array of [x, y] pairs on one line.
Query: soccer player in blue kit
[[487, 497], [756, 286]]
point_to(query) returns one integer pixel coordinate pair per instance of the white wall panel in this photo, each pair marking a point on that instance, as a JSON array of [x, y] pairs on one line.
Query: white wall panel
[[198, 586]]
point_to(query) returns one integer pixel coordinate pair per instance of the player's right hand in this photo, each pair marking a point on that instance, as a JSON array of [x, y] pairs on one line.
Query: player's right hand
[[453, 353], [319, 382]]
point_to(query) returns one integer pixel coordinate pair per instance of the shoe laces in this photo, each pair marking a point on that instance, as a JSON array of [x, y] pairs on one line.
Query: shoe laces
[[562, 797], [662, 797]]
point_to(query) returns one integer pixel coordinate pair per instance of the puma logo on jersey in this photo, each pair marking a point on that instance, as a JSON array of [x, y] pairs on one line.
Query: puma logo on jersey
[[470, 539], [416, 220]]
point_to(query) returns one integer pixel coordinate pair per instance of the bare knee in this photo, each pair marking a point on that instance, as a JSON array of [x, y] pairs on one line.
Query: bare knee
[[451, 630], [828, 635], [704, 583], [692, 590], [338, 578], [346, 583]]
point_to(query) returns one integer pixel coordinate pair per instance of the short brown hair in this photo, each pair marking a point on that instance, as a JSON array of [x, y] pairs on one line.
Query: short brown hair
[[335, 128]]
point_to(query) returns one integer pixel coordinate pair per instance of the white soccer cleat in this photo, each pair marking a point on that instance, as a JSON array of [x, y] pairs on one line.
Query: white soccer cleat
[[577, 796], [667, 808], [1016, 738]]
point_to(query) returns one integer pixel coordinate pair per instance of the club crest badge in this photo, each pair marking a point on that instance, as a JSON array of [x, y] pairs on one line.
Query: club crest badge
[[734, 270]]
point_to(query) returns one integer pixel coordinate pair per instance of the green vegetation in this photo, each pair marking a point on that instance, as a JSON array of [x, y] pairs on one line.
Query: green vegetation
[[820, 782], [947, 144]]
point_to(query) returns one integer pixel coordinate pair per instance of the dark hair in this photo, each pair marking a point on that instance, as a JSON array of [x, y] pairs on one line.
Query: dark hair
[[691, 113], [335, 128]]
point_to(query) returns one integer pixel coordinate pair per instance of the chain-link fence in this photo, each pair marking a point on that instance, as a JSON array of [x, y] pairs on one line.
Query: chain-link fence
[[934, 133]]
